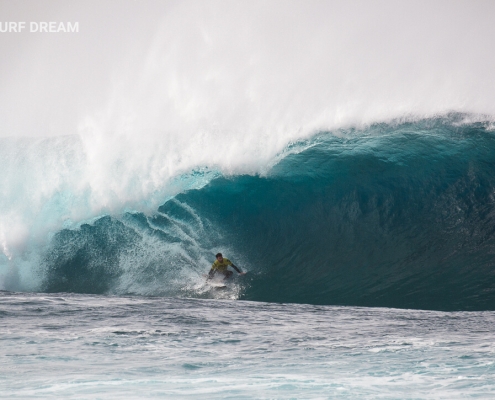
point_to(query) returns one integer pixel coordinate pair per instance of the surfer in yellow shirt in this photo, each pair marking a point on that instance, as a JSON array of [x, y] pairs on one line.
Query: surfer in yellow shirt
[[220, 266]]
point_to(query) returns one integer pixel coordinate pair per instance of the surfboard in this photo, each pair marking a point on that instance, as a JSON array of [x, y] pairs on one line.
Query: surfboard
[[215, 283]]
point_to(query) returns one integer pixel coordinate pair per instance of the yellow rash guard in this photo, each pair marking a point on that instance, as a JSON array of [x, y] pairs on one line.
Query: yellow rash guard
[[221, 266]]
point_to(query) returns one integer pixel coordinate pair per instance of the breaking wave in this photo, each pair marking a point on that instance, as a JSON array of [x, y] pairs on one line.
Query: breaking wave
[[396, 215]]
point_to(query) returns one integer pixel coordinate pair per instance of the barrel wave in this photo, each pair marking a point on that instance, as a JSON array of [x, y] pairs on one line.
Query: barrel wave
[[395, 215]]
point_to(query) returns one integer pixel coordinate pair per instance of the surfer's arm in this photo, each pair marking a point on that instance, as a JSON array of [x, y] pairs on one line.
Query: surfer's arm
[[237, 269]]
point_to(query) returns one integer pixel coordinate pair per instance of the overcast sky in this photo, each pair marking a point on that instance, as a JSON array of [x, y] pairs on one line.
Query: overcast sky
[[168, 65]]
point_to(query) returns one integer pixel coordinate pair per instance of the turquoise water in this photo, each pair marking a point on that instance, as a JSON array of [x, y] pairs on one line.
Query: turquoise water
[[396, 215], [88, 346], [399, 216]]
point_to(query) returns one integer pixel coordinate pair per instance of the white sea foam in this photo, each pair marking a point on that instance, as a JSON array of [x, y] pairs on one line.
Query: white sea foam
[[184, 348]]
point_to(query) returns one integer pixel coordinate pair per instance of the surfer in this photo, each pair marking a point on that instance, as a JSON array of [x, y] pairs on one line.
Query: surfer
[[220, 266]]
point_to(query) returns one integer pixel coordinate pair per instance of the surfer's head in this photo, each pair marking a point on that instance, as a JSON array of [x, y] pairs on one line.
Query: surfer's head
[[219, 257]]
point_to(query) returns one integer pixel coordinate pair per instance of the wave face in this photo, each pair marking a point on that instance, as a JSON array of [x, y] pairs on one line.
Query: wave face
[[397, 215]]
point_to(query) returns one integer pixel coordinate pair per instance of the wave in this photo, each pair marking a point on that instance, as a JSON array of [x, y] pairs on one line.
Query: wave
[[396, 215], [192, 129]]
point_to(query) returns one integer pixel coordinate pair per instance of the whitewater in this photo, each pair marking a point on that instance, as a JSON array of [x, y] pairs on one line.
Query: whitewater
[[341, 153]]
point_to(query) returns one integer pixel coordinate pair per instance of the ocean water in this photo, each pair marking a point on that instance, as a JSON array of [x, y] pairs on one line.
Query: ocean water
[[92, 346], [341, 153], [398, 216]]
